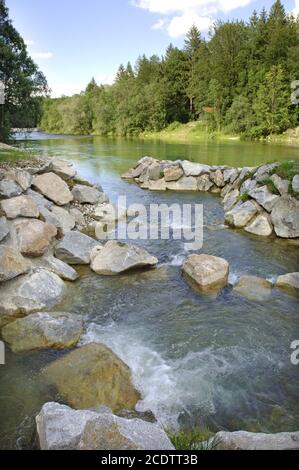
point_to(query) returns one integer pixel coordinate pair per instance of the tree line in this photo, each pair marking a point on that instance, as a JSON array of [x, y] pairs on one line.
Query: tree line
[[24, 85]]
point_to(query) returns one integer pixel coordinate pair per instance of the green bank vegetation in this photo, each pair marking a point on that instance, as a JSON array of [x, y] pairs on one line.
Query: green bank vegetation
[[237, 81]]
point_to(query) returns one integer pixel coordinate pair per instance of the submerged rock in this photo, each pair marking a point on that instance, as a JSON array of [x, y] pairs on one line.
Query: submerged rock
[[288, 281], [54, 188], [75, 248], [30, 293], [242, 440], [207, 272], [21, 206], [285, 217], [62, 428], [253, 288], [116, 258], [43, 330], [91, 376], [35, 236], [260, 226], [12, 264]]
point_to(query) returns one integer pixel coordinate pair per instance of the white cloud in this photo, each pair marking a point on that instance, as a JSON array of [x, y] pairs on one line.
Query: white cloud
[[59, 89], [296, 9], [180, 15], [42, 55], [29, 42], [105, 78], [180, 25]]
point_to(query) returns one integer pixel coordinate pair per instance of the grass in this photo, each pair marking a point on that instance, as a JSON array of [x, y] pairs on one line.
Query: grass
[[199, 438], [12, 154], [270, 185], [287, 170], [244, 197]]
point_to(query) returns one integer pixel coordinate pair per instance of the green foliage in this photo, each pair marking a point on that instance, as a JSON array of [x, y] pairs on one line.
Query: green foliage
[[24, 83], [237, 80], [270, 185], [287, 170], [199, 438], [244, 197]]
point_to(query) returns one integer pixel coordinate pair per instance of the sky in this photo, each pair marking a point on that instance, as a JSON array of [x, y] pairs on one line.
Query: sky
[[73, 41]]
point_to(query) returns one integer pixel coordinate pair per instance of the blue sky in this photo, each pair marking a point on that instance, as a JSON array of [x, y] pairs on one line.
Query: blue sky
[[73, 41]]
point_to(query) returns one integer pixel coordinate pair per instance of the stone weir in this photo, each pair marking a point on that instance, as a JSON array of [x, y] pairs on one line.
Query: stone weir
[[260, 200]]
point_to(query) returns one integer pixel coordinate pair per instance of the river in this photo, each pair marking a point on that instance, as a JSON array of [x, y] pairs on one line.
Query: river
[[223, 361]]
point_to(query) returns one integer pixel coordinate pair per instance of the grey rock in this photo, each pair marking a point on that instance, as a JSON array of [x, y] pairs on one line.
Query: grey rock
[[154, 171], [54, 188], [55, 265], [66, 221], [231, 199], [9, 188], [246, 171], [248, 185], [260, 226], [21, 177], [217, 178], [186, 183], [204, 183], [75, 248], [116, 258], [230, 175], [295, 184], [34, 236], [4, 228], [63, 168], [242, 440], [264, 197], [253, 288], [12, 264], [173, 173], [159, 185], [20, 206], [241, 214], [78, 216], [280, 184], [40, 200], [43, 330], [86, 194], [207, 272], [285, 217], [288, 281], [264, 171], [194, 169]]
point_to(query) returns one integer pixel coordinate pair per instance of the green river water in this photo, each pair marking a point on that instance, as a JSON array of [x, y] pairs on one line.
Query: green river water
[[223, 360]]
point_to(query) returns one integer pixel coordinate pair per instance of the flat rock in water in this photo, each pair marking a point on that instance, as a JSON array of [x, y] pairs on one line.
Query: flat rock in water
[[54, 188], [43, 330], [55, 265], [207, 272], [288, 281], [253, 288], [21, 206], [30, 293], [260, 226], [35, 236], [91, 376], [116, 258], [12, 264], [186, 183], [159, 185], [75, 248]]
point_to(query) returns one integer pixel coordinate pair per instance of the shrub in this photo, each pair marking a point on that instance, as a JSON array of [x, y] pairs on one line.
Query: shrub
[[198, 438]]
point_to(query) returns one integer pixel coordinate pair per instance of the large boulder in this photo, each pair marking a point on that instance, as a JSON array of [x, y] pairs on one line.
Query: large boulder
[[260, 226], [204, 183], [295, 184], [217, 178], [21, 206], [75, 248], [116, 258], [33, 292], [230, 199], [35, 236], [253, 288], [206, 272], [63, 169], [55, 265], [4, 228], [40, 200], [9, 188], [87, 195], [173, 173], [264, 171], [21, 177], [241, 214], [12, 264], [194, 169], [288, 281], [186, 183], [91, 376], [110, 432], [247, 186], [264, 197], [62, 428], [230, 175], [285, 217], [53, 188], [242, 440], [281, 184], [43, 330], [65, 221]]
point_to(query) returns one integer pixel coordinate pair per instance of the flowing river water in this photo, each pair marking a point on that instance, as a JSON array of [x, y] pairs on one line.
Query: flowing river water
[[223, 361]]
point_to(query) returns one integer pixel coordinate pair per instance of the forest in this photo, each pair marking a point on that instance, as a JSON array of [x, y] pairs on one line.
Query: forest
[[237, 80]]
